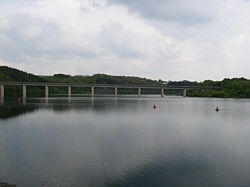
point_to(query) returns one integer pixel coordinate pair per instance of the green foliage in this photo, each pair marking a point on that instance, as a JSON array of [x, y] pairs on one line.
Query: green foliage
[[182, 83], [227, 88], [101, 79], [63, 76], [11, 74]]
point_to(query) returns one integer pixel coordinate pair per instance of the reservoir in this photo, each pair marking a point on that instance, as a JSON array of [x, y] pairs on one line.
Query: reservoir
[[125, 142]]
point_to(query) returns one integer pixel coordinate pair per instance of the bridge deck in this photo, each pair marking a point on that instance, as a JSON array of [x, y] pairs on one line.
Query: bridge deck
[[102, 85]]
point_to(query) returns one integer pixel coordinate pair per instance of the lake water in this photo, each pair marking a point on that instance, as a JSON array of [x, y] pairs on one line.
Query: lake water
[[124, 142]]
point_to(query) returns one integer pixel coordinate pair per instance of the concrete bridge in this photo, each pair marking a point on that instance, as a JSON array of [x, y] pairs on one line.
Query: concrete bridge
[[116, 87]]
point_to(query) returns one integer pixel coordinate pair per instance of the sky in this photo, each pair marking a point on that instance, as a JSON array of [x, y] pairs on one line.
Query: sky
[[157, 39]]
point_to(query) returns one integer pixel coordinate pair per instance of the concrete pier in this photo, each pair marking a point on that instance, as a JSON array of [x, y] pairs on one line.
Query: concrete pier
[[1, 91], [116, 91], [116, 87], [185, 93], [139, 92], [24, 92], [162, 92], [46, 91], [69, 91], [92, 91]]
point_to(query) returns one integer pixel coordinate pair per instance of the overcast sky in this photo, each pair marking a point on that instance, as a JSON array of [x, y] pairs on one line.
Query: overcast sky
[[158, 39]]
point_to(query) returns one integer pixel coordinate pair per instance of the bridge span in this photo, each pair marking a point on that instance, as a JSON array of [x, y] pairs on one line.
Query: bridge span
[[116, 87]]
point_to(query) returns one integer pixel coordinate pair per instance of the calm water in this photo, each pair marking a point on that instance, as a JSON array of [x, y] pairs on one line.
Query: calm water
[[124, 142]]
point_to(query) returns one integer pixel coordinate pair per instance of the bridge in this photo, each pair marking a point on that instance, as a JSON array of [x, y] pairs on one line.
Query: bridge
[[116, 87]]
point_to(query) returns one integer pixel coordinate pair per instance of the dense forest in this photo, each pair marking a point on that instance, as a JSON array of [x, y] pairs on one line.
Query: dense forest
[[11, 74], [227, 88]]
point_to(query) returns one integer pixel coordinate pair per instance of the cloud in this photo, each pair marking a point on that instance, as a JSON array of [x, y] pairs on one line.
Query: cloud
[[120, 41], [99, 40], [24, 36], [162, 39], [180, 11]]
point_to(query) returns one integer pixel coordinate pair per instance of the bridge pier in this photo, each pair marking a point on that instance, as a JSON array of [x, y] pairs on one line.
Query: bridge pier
[[116, 91], [46, 91], [69, 91], [162, 92], [116, 87], [185, 93], [1, 91], [92, 91], [139, 92], [24, 92]]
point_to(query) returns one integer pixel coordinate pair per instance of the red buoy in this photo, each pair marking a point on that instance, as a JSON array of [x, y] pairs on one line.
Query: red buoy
[[154, 107], [217, 109]]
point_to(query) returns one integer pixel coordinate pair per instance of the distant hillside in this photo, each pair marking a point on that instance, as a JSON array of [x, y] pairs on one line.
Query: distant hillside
[[227, 88], [183, 83], [11, 74], [100, 79]]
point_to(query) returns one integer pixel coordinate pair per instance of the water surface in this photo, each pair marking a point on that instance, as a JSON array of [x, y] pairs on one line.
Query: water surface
[[124, 142]]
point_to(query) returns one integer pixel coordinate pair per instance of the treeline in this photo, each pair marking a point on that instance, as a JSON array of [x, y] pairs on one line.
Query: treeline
[[227, 88], [100, 79], [11, 74]]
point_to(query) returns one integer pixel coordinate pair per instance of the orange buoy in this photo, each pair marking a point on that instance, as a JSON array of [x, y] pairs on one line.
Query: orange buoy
[[217, 109], [154, 107]]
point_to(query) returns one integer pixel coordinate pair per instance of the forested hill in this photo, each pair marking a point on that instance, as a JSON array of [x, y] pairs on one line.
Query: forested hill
[[11, 74], [227, 88], [100, 79]]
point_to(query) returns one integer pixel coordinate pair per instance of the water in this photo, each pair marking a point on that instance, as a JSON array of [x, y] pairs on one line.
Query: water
[[124, 142]]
